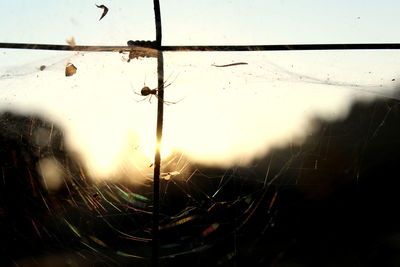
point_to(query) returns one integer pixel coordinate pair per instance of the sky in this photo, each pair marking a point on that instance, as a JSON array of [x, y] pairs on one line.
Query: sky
[[224, 116], [202, 22]]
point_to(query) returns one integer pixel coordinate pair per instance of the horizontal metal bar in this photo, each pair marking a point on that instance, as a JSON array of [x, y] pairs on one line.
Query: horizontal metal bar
[[64, 47], [226, 48], [284, 47]]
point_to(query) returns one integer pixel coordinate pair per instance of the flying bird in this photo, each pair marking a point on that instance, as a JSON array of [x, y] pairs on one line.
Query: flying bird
[[105, 10]]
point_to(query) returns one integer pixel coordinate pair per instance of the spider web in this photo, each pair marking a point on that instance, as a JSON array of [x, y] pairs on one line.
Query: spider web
[[231, 203]]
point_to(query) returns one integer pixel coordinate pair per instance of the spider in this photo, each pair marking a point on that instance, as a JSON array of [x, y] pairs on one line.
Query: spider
[[147, 91]]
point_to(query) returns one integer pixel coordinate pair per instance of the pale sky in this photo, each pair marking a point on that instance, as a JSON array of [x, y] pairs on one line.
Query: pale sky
[[202, 22], [234, 114]]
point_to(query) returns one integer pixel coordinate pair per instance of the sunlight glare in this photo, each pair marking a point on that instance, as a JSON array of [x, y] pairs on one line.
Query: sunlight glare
[[225, 116]]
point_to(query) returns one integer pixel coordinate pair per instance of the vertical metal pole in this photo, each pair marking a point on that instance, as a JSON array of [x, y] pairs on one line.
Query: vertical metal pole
[[157, 158]]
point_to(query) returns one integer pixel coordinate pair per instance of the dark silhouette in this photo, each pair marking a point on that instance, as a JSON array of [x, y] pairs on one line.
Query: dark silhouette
[[332, 201]]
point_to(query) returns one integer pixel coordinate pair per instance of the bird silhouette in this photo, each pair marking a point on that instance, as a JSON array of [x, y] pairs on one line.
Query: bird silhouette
[[105, 10]]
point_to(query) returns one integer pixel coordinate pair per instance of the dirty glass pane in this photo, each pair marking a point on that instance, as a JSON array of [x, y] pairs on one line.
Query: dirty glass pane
[[268, 158]]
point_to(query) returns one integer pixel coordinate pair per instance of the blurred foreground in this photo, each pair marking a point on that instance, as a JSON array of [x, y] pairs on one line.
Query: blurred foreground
[[331, 201]]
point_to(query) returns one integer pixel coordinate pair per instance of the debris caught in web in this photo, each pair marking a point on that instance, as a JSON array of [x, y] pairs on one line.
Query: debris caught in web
[[70, 69], [230, 65], [71, 41]]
